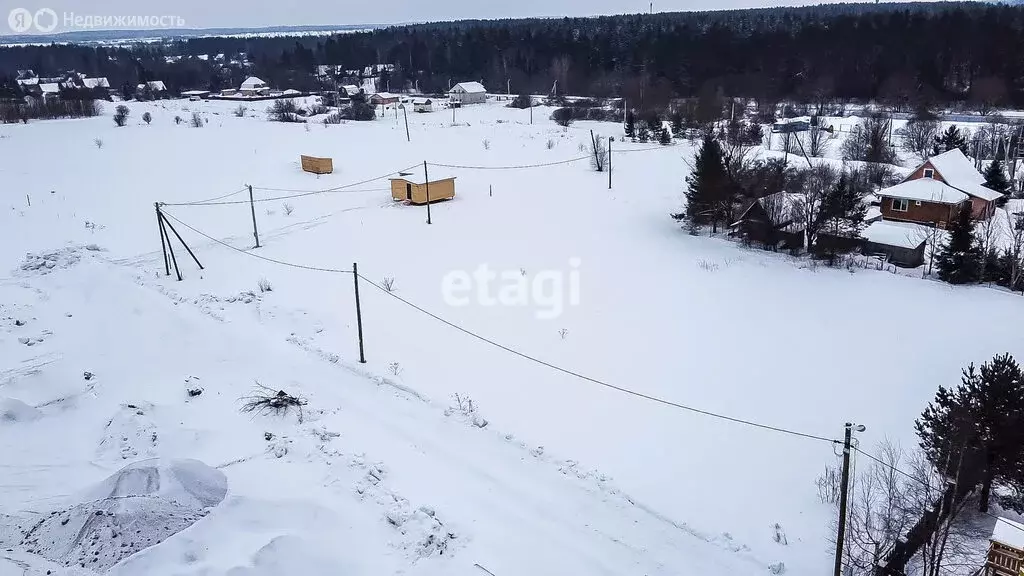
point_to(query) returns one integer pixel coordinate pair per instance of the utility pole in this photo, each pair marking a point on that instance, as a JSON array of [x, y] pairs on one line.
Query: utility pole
[[252, 208], [426, 182], [508, 86], [163, 238], [359, 312], [610, 139], [843, 489], [531, 110], [452, 104], [406, 115]]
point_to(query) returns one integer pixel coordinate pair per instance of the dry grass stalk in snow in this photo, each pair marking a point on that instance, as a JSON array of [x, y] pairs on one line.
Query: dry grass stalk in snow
[[388, 282]]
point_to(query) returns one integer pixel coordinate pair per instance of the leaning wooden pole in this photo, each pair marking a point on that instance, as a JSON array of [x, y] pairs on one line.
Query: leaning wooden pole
[[359, 312], [178, 236], [163, 238], [426, 183]]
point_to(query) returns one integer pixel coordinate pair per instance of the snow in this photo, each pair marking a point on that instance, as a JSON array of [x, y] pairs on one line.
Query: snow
[[469, 88], [1008, 532], [925, 190], [50, 88], [902, 234], [380, 477], [95, 83], [958, 171]]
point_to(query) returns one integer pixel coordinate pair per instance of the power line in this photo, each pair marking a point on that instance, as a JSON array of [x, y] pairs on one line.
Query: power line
[[514, 351], [201, 202], [515, 167], [594, 380], [291, 196], [248, 253], [381, 177]]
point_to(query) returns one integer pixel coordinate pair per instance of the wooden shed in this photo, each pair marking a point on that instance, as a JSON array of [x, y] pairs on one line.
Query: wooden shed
[[413, 188], [317, 165]]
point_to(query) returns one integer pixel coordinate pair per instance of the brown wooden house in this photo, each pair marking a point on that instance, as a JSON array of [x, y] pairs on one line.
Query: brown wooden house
[[1006, 549], [414, 189], [772, 221], [937, 186], [922, 201]]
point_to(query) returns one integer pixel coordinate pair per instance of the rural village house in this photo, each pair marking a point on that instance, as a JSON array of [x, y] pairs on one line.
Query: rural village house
[[253, 86], [1006, 549], [935, 192], [772, 221], [467, 93], [422, 105]]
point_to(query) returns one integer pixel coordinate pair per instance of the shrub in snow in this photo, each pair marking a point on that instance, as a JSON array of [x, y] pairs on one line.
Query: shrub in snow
[[240, 111], [487, 144], [777, 568], [284, 111], [265, 286], [317, 109], [197, 120], [359, 111], [147, 117], [334, 118], [563, 333], [265, 401], [550, 144], [562, 117], [98, 143], [288, 209], [388, 282], [780, 535], [177, 119], [464, 408], [121, 115], [395, 368]]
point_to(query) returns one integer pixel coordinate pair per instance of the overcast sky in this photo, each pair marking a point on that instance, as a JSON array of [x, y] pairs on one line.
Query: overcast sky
[[248, 13]]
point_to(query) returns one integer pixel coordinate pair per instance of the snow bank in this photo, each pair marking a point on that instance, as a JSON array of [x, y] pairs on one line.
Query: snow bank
[[140, 506], [12, 410], [290, 555]]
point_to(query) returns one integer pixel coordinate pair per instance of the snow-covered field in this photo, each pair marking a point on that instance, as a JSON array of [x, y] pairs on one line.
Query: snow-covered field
[[551, 474]]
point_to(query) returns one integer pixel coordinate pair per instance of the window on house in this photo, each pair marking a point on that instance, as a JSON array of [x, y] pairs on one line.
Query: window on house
[[929, 173], [900, 204]]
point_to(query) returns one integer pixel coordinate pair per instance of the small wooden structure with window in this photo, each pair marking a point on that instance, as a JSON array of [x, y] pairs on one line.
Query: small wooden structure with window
[[1006, 549], [412, 188]]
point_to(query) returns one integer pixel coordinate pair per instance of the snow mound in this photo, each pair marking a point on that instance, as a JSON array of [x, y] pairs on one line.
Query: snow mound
[[46, 262], [290, 555], [140, 506], [12, 410]]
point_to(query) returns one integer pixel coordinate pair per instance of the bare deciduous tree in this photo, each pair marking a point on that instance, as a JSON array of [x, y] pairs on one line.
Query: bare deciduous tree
[[598, 152], [1014, 234], [918, 136], [817, 181]]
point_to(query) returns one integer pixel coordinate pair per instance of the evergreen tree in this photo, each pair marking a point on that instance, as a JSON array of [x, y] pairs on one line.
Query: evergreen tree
[[959, 259], [664, 137], [642, 132], [706, 185], [995, 178], [950, 139], [676, 118], [976, 432], [630, 126]]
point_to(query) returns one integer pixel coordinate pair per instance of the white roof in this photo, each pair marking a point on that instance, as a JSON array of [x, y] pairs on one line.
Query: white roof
[[901, 234], [291, 91], [469, 87], [417, 176], [50, 87], [28, 82], [926, 190], [386, 95], [95, 83], [156, 85], [1009, 532], [195, 92], [958, 171], [253, 82], [351, 88], [421, 101]]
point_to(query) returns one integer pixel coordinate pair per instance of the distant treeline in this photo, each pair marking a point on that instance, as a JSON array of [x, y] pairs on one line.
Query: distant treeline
[[902, 54]]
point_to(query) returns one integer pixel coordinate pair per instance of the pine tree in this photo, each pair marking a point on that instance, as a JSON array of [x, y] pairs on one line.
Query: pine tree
[[630, 127], [976, 431], [950, 139], [642, 133], [959, 259], [706, 184], [995, 178], [676, 118]]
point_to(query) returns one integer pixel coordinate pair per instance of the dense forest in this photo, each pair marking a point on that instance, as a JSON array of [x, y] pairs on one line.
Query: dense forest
[[903, 54]]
